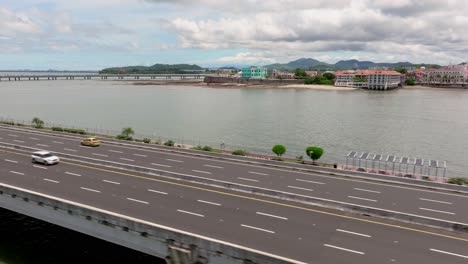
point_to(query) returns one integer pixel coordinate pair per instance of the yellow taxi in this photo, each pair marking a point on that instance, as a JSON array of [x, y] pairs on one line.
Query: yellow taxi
[[91, 142]]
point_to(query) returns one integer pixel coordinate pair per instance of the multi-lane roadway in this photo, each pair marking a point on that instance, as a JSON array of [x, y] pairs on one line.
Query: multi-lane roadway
[[299, 232], [408, 200]]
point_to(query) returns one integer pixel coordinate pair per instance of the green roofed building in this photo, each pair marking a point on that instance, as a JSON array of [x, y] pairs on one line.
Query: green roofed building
[[254, 72]]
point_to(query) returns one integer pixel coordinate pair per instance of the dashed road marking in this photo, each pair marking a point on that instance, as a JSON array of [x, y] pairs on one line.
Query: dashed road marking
[[365, 190], [258, 173], [101, 155], [70, 150], [352, 233], [364, 199], [113, 182], [204, 172], [15, 172], [300, 188], [57, 142], [213, 166], [434, 201], [274, 216], [140, 155], [91, 190], [187, 212], [115, 151], [202, 201], [437, 211], [150, 190], [138, 201], [40, 167], [449, 253], [316, 182], [126, 159], [74, 174], [19, 141], [12, 161], [246, 179], [259, 229], [49, 180], [344, 249], [173, 160]]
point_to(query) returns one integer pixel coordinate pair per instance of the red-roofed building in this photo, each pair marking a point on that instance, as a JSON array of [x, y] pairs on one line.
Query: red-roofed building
[[369, 79], [457, 74]]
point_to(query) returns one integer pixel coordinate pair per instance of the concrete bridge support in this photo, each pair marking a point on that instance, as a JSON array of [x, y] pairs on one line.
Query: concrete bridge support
[[173, 245]]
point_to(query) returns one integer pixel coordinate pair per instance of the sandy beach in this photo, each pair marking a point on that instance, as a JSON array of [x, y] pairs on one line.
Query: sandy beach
[[238, 85]]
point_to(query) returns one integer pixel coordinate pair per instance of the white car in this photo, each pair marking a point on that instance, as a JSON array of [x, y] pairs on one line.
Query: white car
[[45, 157]]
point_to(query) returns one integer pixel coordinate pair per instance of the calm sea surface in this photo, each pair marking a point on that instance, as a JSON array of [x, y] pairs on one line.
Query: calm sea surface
[[430, 124]]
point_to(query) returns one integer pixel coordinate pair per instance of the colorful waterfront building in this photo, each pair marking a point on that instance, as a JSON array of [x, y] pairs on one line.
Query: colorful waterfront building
[[369, 79], [255, 72], [455, 74]]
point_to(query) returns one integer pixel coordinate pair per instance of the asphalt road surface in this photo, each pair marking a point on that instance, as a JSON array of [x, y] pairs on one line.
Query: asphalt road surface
[[296, 231]]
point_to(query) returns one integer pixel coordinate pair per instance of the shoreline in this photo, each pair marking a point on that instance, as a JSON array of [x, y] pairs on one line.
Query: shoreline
[[200, 83]]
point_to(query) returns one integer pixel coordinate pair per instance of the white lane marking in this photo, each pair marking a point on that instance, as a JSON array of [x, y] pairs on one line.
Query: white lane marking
[[115, 151], [149, 190], [435, 201], [127, 159], [300, 188], [201, 201], [437, 211], [70, 149], [97, 154], [344, 249], [204, 172], [260, 229], [138, 201], [57, 142], [81, 146], [34, 138], [258, 173], [42, 145], [113, 182], [353, 233], [186, 212], [173, 160], [365, 190], [245, 179], [301, 180], [19, 141], [449, 253], [91, 190], [74, 174], [49, 180], [12, 161], [212, 166], [364, 199], [15, 172], [40, 167], [140, 155], [161, 165], [11, 135], [275, 216]]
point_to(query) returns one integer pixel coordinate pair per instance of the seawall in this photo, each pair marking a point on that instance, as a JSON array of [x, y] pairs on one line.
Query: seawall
[[229, 80]]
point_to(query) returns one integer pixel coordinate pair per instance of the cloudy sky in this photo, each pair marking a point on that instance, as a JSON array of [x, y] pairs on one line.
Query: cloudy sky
[[93, 34]]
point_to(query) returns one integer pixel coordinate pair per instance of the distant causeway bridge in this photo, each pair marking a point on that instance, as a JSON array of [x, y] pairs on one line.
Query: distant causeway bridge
[[88, 76]]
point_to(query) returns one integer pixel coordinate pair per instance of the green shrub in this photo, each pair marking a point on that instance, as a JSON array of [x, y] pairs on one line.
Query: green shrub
[[458, 180], [279, 150], [138, 140], [57, 129], [147, 140], [123, 137], [37, 123], [314, 152], [197, 148], [74, 131], [207, 148], [240, 152], [169, 143], [8, 123]]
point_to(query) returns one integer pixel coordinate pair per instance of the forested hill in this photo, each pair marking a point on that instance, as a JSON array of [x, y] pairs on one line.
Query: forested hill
[[155, 69]]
